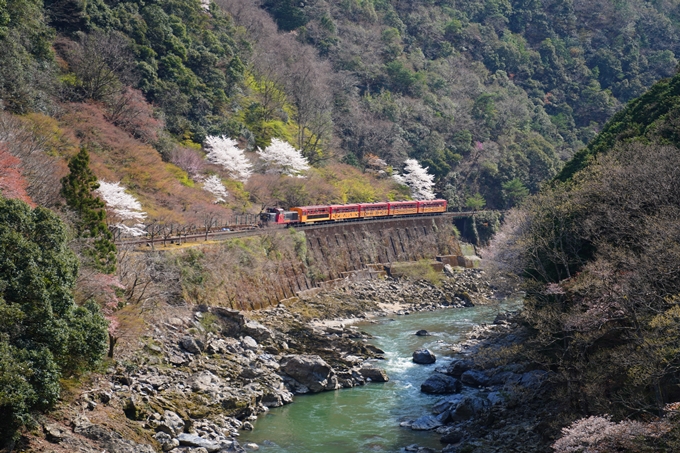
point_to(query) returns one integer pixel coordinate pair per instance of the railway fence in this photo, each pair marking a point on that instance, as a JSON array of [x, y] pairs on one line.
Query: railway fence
[[216, 228]]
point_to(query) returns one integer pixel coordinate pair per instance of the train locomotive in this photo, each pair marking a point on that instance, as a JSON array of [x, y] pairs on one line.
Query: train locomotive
[[306, 215]]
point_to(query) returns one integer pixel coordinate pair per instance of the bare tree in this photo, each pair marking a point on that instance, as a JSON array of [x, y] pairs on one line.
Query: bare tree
[[102, 61], [42, 171]]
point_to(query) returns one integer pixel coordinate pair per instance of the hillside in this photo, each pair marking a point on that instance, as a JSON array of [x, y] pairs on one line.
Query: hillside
[[124, 117], [492, 98], [484, 93], [599, 254], [650, 118]]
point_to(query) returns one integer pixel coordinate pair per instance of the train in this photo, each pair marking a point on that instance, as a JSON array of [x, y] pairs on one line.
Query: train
[[306, 215]]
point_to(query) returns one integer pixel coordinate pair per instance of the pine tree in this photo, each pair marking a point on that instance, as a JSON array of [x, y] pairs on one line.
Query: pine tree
[[77, 188]]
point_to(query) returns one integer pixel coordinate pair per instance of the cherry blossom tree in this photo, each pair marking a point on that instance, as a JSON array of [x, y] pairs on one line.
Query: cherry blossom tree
[[280, 157], [417, 179], [123, 206], [224, 152], [214, 185], [598, 434]]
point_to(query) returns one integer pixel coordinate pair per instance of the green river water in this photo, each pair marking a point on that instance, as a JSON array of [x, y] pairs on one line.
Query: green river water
[[366, 419]]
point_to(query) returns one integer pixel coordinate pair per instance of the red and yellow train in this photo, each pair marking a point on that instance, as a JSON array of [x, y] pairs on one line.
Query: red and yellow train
[[341, 212]]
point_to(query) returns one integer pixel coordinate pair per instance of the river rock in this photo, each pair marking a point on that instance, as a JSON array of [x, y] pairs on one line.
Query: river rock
[[474, 378], [166, 441], [171, 424], [191, 345], [457, 368], [373, 373], [276, 396], [447, 403], [192, 440], [533, 379], [424, 357], [423, 333], [249, 343], [452, 437], [110, 440], [205, 382], [440, 384], [495, 398], [310, 371], [53, 433], [469, 407], [426, 423], [257, 331]]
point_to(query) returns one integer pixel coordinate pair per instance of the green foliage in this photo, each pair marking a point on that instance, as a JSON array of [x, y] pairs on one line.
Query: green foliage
[[514, 192], [26, 60], [77, 189], [420, 270], [289, 14], [475, 202], [185, 59], [42, 333], [485, 92], [651, 117]]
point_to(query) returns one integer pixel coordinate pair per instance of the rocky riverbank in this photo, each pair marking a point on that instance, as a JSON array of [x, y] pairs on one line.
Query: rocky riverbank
[[491, 401], [201, 374]]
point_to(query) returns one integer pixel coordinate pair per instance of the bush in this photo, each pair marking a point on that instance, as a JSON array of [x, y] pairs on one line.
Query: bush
[[421, 270]]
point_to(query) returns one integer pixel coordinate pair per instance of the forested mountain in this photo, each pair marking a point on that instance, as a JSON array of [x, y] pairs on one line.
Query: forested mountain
[[484, 92], [492, 96]]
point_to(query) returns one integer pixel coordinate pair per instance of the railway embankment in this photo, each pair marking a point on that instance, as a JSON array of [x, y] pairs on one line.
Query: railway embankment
[[259, 271]]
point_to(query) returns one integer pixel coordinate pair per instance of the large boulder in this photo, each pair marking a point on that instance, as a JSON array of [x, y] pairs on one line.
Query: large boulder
[[533, 379], [440, 384], [191, 345], [469, 407], [310, 371], [249, 343], [192, 440], [474, 378], [457, 368], [205, 382], [171, 424], [373, 373], [276, 396], [426, 423], [424, 357], [109, 440], [453, 437]]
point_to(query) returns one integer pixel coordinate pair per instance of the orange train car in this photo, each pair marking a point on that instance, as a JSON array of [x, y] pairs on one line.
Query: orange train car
[[324, 213], [403, 207], [310, 214], [370, 210], [345, 211], [431, 206]]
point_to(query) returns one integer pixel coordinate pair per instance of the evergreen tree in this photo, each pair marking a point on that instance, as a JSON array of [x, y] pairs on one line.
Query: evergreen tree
[[514, 191], [77, 188], [43, 334]]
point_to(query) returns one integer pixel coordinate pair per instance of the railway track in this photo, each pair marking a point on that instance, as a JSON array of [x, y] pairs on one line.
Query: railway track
[[255, 230]]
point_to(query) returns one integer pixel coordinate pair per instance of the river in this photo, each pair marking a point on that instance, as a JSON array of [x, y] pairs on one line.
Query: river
[[366, 419]]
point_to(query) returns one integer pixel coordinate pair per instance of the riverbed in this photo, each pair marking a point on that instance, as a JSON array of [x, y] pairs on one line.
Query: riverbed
[[366, 419]]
